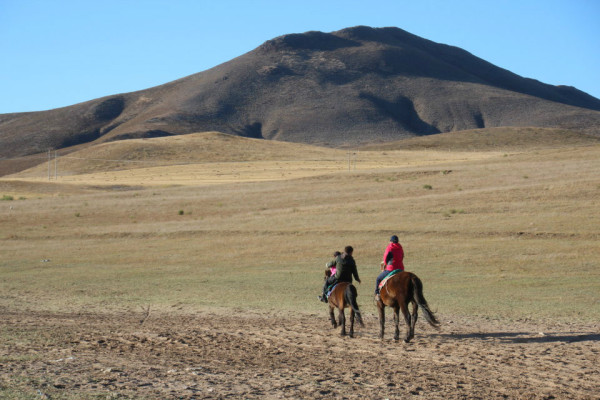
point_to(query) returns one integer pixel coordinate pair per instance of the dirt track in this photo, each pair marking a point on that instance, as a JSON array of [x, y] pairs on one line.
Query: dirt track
[[259, 355]]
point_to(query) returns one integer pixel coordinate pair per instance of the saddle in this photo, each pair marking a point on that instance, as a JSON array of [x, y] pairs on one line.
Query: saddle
[[384, 280]]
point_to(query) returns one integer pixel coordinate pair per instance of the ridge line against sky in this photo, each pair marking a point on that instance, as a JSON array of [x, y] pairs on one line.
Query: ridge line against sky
[[59, 53]]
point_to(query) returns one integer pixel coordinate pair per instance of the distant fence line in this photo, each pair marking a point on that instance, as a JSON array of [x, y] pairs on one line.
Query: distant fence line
[[353, 158], [82, 158], [28, 157], [124, 160]]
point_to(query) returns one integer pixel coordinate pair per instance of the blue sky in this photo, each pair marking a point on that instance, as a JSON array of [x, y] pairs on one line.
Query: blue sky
[[55, 53]]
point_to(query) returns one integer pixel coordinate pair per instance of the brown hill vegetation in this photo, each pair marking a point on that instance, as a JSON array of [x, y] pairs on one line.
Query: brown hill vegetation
[[496, 139], [214, 157], [205, 147], [217, 147], [355, 86]]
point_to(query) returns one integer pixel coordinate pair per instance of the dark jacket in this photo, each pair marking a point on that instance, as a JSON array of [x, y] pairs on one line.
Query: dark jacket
[[346, 268]]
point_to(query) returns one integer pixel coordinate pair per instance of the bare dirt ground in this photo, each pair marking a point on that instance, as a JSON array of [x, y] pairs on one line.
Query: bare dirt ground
[[261, 355]]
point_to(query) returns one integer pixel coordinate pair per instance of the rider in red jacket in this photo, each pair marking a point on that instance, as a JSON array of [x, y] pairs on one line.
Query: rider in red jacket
[[393, 258]]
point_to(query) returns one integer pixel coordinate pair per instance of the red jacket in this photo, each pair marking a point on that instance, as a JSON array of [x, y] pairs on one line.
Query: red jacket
[[393, 257]]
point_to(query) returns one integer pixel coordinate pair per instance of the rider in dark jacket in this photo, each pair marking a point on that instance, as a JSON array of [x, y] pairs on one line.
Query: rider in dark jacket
[[345, 270], [346, 266]]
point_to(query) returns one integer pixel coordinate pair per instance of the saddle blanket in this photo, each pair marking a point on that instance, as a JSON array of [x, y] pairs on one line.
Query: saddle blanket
[[392, 273], [330, 289]]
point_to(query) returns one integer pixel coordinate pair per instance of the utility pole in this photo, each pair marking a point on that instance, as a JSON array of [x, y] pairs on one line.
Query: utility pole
[[351, 160], [348, 160], [49, 164], [56, 166]]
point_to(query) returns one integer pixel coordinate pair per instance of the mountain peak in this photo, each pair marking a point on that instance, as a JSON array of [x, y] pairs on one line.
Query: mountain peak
[[347, 37], [383, 35], [312, 40]]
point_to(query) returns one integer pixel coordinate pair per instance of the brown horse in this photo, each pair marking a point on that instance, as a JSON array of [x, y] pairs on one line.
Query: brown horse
[[344, 296], [398, 292]]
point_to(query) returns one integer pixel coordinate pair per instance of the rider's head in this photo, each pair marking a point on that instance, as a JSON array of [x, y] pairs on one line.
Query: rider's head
[[337, 253], [348, 250], [394, 239]]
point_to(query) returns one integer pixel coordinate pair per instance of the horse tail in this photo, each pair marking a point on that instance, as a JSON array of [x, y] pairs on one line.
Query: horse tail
[[420, 300], [350, 294]]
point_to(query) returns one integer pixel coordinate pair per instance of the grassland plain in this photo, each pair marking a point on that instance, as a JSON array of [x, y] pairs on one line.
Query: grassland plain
[[503, 234]]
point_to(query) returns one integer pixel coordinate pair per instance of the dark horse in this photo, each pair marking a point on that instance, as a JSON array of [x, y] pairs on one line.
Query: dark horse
[[344, 296], [398, 292]]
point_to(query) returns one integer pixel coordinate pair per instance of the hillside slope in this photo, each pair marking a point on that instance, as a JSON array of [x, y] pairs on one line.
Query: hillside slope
[[355, 86], [195, 148], [493, 139]]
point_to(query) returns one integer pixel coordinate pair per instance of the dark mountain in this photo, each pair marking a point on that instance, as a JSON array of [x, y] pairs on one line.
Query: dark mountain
[[354, 86]]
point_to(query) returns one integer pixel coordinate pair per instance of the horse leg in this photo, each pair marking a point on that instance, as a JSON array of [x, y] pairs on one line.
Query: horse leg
[[332, 317], [381, 309], [413, 320], [397, 323], [351, 333], [407, 319], [343, 322]]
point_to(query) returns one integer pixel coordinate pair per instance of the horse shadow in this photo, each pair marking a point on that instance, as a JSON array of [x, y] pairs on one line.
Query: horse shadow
[[525, 337]]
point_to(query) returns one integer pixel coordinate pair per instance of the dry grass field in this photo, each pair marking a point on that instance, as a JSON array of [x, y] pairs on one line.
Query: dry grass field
[[188, 267]]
